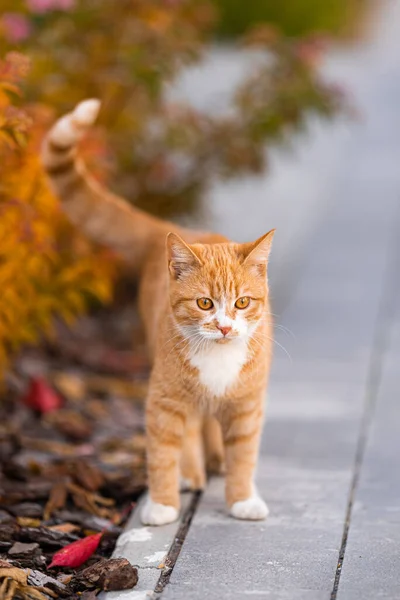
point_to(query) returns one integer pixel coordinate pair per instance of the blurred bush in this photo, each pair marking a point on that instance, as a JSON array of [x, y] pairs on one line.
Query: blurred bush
[[46, 269], [159, 155], [293, 17]]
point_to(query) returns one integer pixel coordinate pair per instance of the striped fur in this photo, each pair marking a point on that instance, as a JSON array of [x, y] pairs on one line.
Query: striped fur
[[210, 367]]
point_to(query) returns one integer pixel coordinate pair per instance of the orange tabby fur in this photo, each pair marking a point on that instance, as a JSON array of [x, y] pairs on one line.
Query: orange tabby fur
[[210, 367]]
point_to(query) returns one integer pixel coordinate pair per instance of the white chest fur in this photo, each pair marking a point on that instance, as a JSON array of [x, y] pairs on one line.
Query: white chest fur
[[219, 365]]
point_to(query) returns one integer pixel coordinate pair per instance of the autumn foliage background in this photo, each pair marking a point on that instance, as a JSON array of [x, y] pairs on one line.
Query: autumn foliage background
[[158, 154]]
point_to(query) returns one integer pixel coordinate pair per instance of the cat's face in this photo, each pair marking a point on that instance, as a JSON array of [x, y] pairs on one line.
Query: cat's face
[[218, 292]]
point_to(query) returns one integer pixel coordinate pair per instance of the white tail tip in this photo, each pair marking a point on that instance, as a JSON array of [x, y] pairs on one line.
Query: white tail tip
[[85, 113]]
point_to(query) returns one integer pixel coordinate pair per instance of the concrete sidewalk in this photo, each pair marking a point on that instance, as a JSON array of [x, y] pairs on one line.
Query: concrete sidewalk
[[329, 459]]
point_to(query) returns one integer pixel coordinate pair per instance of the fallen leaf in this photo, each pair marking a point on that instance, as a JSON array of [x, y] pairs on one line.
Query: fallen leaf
[[28, 522], [70, 385], [41, 397], [64, 578], [71, 424], [52, 447], [47, 591], [17, 575], [86, 475], [75, 554], [89, 501], [58, 496], [64, 527]]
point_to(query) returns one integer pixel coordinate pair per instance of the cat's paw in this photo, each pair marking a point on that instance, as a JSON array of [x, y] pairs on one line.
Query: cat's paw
[[154, 513], [252, 509]]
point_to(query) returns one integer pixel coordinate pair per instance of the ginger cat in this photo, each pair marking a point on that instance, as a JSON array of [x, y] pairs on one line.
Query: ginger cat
[[204, 304]]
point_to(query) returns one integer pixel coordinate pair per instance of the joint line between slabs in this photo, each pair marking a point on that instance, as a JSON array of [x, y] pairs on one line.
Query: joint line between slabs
[[177, 544], [380, 344]]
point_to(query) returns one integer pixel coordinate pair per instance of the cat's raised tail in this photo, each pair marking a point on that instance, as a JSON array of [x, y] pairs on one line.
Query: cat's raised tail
[[101, 215]]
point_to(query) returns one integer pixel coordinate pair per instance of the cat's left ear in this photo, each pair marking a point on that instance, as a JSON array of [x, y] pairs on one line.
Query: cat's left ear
[[257, 253]]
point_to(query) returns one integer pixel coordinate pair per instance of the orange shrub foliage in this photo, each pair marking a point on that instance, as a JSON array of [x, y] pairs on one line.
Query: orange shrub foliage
[[46, 269], [162, 155]]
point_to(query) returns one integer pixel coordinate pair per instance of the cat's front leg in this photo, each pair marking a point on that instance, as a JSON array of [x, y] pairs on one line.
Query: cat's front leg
[[165, 422], [241, 427], [193, 475]]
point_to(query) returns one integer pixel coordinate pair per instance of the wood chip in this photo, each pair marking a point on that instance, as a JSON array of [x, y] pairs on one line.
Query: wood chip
[[111, 575], [21, 549]]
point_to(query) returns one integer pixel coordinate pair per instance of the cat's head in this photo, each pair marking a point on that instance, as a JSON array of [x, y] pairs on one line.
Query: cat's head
[[218, 292]]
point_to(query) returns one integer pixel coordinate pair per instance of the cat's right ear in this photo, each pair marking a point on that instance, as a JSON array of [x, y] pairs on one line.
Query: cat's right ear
[[181, 258]]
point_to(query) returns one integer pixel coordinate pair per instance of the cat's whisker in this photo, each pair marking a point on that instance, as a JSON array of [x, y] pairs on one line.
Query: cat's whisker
[[278, 344], [184, 340]]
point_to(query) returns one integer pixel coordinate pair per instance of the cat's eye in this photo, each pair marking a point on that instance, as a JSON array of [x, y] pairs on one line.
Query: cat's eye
[[242, 302], [205, 303]]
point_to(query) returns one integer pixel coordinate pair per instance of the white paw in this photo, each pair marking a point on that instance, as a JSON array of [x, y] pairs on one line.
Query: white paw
[[158, 514], [252, 509]]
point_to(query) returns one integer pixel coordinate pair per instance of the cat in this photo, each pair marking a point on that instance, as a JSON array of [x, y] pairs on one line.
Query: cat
[[204, 303]]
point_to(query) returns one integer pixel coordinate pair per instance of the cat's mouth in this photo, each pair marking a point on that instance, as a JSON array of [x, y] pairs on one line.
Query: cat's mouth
[[224, 340]]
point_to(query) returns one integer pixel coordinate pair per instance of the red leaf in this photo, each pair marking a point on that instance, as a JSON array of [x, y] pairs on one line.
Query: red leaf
[[75, 554], [41, 397]]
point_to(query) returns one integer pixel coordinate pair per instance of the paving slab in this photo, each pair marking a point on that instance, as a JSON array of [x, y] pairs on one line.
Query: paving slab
[[371, 566], [146, 548]]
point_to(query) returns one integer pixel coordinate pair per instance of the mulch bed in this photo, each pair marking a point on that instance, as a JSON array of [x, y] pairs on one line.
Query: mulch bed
[[72, 462]]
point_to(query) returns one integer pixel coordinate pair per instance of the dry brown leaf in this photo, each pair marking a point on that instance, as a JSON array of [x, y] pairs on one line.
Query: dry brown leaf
[[47, 591], [31, 593], [28, 522], [64, 578], [71, 424], [48, 446], [71, 386], [14, 573], [58, 496], [86, 475], [8, 589], [89, 501], [117, 387], [64, 527]]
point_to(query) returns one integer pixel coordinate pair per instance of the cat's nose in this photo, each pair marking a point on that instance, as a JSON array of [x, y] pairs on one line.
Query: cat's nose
[[224, 330]]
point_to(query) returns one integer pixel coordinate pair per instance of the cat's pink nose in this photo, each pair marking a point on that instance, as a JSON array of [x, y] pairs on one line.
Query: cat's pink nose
[[224, 330]]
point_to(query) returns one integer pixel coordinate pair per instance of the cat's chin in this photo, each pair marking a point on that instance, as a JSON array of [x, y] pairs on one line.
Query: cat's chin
[[223, 340]]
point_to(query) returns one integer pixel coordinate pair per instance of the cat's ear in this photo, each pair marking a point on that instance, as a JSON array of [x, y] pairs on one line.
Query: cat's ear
[[181, 258], [257, 253]]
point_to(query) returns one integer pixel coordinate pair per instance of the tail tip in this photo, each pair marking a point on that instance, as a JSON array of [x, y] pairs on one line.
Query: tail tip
[[85, 113]]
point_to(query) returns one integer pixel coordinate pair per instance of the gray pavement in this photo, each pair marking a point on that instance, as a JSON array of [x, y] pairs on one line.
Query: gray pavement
[[329, 466]]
